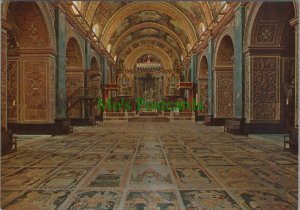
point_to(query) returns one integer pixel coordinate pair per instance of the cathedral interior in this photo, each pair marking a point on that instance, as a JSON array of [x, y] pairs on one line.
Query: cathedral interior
[[90, 95]]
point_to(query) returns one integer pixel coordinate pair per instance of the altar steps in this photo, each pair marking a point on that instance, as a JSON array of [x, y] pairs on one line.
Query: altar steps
[[149, 119]]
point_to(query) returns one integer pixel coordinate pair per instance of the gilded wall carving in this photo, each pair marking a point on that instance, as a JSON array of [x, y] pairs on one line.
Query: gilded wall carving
[[74, 81], [247, 87], [224, 94], [203, 95], [35, 90], [266, 33], [52, 90], [264, 88], [12, 88]]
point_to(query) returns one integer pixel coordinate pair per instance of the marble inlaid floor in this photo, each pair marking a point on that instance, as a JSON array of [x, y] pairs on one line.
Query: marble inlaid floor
[[149, 166]]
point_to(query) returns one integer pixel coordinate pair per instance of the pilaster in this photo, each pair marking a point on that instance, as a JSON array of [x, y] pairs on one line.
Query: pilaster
[[210, 76], [238, 72], [61, 91]]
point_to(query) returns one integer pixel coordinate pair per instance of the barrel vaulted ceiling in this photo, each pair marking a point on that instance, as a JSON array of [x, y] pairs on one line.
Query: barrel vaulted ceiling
[[173, 27]]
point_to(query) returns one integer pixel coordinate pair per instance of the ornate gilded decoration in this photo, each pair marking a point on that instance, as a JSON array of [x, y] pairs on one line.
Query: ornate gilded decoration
[[224, 94], [12, 85], [264, 88], [35, 89]]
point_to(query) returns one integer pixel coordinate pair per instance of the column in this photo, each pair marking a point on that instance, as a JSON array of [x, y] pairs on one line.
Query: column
[[194, 69], [87, 65], [294, 22], [104, 73], [194, 80], [61, 92], [238, 70], [4, 74], [210, 76], [87, 61]]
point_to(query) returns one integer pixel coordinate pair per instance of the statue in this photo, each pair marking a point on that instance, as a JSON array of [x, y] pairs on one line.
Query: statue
[[149, 95], [146, 95]]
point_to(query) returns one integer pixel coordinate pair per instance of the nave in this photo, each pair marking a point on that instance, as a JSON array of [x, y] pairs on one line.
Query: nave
[[133, 166]]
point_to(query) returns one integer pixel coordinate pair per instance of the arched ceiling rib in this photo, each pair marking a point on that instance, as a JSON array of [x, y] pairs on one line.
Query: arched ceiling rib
[[173, 54], [166, 14], [155, 28], [119, 23]]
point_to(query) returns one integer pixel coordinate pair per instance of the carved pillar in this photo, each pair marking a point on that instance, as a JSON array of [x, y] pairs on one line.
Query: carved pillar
[[160, 88], [87, 65], [4, 74], [194, 66], [294, 22], [105, 81], [238, 71], [210, 76], [247, 79], [61, 87]]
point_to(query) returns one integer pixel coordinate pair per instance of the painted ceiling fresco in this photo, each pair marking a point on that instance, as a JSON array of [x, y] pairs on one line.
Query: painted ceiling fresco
[[177, 25]]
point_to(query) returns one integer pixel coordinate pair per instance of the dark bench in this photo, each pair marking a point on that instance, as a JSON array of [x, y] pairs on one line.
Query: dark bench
[[291, 140], [207, 120], [8, 142], [63, 126], [67, 127], [233, 125]]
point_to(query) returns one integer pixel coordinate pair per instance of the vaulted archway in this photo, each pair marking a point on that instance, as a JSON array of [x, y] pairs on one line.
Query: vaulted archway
[[75, 77], [30, 66], [203, 85], [270, 74], [223, 75]]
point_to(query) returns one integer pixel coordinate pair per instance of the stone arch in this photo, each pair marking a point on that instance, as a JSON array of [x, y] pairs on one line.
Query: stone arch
[[225, 38], [224, 78], [30, 34], [75, 74], [94, 84], [74, 58], [156, 6], [203, 67], [149, 25], [270, 67], [95, 75], [203, 83], [72, 34], [30, 63], [250, 22], [45, 11], [94, 64]]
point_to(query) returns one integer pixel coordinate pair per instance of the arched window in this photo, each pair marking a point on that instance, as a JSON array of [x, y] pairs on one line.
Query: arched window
[[96, 29], [201, 28], [108, 48]]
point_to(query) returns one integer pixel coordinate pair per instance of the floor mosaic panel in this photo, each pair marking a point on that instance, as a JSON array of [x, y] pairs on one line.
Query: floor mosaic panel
[[149, 166]]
